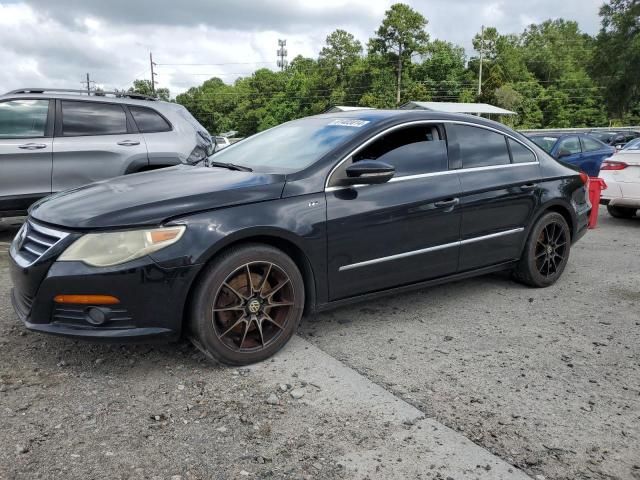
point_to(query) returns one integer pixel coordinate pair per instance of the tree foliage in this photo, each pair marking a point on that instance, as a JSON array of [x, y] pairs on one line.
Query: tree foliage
[[552, 75]]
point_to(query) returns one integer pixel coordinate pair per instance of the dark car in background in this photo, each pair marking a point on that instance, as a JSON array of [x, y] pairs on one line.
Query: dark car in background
[[615, 139], [312, 214], [579, 149]]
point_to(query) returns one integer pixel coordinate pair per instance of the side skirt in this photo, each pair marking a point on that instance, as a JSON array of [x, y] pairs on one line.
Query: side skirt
[[415, 286]]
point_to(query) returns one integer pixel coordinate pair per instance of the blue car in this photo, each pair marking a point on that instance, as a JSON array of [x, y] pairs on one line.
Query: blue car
[[580, 149]]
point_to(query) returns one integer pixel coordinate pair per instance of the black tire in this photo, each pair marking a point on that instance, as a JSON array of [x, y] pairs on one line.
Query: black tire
[[621, 212], [546, 252], [239, 332]]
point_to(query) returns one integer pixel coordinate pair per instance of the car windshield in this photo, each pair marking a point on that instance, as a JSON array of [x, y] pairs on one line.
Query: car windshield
[[545, 142], [292, 146], [632, 145]]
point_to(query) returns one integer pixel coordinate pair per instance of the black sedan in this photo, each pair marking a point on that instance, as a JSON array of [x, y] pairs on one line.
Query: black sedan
[[306, 216]]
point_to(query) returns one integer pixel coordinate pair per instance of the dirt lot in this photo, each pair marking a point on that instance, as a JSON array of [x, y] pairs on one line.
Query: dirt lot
[[548, 380]]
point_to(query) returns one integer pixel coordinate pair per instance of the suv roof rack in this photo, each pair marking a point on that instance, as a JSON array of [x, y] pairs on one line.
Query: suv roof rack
[[95, 93]]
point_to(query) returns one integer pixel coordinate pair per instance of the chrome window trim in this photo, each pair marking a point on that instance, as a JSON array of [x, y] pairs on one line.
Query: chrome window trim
[[435, 248], [444, 172]]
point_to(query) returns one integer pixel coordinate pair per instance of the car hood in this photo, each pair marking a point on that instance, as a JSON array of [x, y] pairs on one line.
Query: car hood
[[149, 198]]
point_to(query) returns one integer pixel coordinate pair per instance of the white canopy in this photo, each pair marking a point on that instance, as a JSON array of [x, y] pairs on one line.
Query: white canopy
[[455, 107]]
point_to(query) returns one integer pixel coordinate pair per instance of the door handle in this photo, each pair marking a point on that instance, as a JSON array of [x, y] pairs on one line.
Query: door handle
[[452, 202], [128, 143], [528, 186], [32, 146]]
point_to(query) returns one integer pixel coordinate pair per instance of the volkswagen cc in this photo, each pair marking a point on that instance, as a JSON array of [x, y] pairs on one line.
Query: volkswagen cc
[[310, 215]]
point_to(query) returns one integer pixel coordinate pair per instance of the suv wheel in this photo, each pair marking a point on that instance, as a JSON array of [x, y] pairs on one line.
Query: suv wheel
[[621, 212], [247, 305], [546, 252]]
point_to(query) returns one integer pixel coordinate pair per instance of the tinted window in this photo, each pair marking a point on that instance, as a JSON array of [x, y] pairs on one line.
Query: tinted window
[[411, 150], [520, 153], [86, 118], [591, 144], [148, 120], [23, 118], [570, 144], [480, 147]]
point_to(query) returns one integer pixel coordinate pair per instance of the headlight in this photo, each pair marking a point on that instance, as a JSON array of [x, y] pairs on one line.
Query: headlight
[[114, 248]]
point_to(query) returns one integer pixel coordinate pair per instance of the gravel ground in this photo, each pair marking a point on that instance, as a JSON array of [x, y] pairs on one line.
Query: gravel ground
[[548, 380]]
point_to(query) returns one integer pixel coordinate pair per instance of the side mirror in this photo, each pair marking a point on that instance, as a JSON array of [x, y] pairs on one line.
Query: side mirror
[[369, 172], [563, 153]]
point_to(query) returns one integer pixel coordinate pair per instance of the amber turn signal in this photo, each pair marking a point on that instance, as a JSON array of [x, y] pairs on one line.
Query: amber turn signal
[[87, 299]]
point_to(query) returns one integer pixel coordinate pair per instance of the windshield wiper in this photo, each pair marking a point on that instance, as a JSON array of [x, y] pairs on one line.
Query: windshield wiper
[[230, 166]]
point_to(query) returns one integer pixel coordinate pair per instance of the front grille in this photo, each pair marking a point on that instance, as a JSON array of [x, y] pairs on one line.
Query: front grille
[[34, 240], [76, 316]]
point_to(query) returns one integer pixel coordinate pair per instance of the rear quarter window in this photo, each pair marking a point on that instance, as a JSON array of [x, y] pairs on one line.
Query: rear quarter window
[[148, 120]]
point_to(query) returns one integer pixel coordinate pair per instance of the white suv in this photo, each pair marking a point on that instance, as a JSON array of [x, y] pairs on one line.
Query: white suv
[[52, 140], [621, 172]]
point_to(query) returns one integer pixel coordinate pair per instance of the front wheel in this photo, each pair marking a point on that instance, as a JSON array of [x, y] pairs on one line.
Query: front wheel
[[621, 212], [546, 252], [247, 306]]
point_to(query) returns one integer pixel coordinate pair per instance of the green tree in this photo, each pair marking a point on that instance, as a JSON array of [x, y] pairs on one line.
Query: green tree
[[401, 35], [340, 53], [616, 59], [143, 87]]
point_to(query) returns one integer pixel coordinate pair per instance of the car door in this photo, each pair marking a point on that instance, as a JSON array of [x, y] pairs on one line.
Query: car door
[[499, 178], [399, 232], [25, 152], [94, 141], [593, 153]]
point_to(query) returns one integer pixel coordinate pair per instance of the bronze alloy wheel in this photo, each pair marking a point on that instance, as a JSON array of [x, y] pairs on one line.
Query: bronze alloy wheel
[[252, 306], [551, 248]]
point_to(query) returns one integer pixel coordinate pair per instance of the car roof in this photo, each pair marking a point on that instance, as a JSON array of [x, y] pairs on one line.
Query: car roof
[[87, 98]]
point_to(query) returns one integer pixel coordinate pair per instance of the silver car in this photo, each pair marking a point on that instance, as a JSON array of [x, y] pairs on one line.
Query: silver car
[[52, 140]]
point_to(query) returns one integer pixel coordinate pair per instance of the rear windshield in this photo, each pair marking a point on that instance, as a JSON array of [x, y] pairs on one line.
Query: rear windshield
[[546, 143], [292, 146], [633, 145]]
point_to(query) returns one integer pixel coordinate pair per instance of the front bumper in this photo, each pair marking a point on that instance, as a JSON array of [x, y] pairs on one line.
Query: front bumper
[[152, 299]]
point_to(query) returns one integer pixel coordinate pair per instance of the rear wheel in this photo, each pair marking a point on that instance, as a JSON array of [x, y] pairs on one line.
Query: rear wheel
[[546, 252], [621, 212], [247, 305]]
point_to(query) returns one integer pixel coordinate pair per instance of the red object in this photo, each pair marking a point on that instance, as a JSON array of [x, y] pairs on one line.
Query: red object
[[596, 185], [613, 165]]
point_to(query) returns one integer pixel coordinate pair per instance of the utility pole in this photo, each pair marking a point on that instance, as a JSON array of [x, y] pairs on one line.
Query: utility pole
[[399, 74], [481, 55], [153, 75], [88, 83], [282, 54]]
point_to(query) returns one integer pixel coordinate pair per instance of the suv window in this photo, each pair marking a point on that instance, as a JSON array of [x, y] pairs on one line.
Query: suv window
[[571, 144], [23, 118], [411, 150], [480, 147], [520, 153], [590, 144], [148, 120], [92, 118]]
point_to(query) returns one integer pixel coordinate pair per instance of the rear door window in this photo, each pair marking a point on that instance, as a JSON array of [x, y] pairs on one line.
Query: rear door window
[[148, 120], [480, 147], [92, 118], [23, 118], [520, 153], [591, 144], [411, 150]]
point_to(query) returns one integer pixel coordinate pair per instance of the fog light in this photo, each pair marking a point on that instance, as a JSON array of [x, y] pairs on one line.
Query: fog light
[[97, 315]]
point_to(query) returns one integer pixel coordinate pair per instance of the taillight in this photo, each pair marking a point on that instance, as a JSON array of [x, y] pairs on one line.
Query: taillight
[[613, 165]]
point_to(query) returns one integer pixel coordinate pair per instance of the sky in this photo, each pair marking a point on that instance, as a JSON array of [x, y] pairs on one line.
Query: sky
[[54, 43]]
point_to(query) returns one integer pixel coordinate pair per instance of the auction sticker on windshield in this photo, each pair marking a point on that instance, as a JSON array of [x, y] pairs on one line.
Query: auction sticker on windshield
[[349, 123]]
